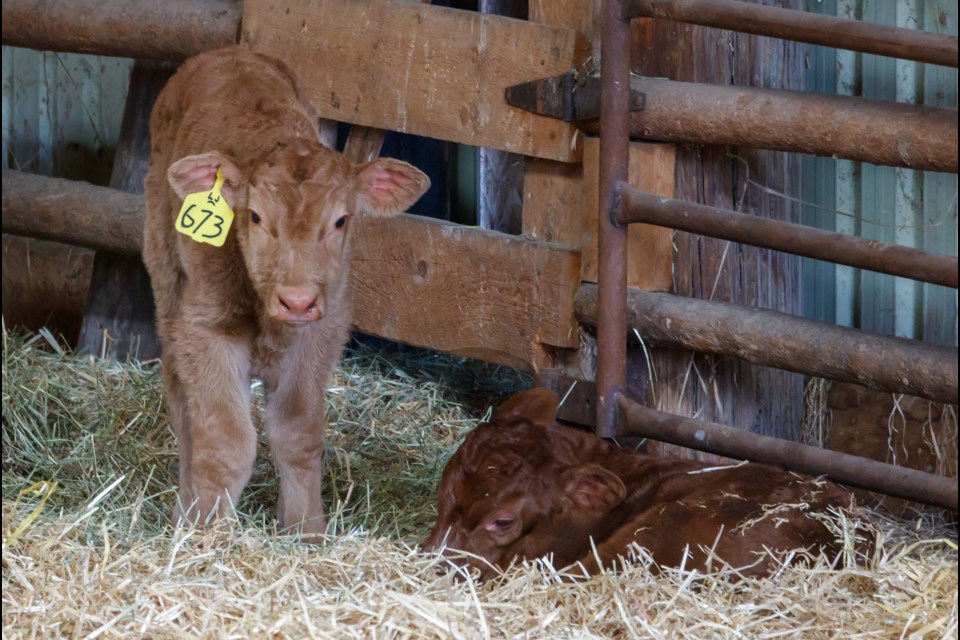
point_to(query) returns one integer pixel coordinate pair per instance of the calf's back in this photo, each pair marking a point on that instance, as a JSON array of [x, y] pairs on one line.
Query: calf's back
[[525, 487]]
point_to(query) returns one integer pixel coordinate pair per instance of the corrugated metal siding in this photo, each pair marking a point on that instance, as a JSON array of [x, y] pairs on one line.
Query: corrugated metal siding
[[907, 207], [62, 112]]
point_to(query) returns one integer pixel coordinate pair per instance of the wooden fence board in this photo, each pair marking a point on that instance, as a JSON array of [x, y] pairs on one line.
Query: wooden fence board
[[418, 280], [463, 290], [650, 251], [420, 69]]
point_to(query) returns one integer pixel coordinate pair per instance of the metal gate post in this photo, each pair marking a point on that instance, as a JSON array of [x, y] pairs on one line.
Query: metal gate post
[[612, 236]]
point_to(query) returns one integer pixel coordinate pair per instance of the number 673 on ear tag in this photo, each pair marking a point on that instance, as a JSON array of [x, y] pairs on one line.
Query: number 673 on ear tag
[[205, 216]]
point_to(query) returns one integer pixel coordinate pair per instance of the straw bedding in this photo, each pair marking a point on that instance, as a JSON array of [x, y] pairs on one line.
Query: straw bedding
[[88, 465]]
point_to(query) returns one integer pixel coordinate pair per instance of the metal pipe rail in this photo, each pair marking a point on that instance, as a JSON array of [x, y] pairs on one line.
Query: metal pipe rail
[[864, 473], [802, 26], [825, 125], [612, 237], [779, 340], [638, 206]]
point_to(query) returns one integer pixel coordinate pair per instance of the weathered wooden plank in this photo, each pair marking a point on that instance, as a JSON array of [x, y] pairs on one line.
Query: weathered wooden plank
[[552, 192], [420, 69], [425, 282], [898, 429], [728, 390], [552, 202], [650, 250], [463, 290]]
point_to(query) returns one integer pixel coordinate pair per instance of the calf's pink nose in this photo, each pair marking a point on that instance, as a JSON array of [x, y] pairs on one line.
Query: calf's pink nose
[[295, 304]]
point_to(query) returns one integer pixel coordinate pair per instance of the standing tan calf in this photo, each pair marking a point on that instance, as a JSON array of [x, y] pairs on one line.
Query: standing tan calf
[[522, 487], [272, 301]]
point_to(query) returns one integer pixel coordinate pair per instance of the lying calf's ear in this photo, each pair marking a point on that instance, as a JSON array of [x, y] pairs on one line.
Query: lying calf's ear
[[386, 187], [593, 487], [198, 173], [536, 405]]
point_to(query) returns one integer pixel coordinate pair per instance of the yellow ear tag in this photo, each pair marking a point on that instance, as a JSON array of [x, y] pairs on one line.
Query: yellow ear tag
[[206, 217]]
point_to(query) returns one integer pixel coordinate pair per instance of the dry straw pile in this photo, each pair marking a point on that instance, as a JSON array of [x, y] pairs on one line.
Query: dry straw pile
[[88, 464]]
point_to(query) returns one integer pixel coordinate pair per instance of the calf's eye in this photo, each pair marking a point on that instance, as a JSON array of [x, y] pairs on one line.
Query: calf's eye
[[254, 217], [342, 220], [500, 525]]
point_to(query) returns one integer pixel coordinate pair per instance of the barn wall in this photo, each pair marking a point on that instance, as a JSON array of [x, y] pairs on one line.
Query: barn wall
[[728, 390], [904, 206], [61, 117]]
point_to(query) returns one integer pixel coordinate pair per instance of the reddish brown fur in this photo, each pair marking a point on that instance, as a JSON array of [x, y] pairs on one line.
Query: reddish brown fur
[[272, 302], [523, 486]]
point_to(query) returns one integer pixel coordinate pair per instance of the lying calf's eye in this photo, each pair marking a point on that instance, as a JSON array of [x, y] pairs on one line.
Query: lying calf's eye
[[342, 220], [254, 217]]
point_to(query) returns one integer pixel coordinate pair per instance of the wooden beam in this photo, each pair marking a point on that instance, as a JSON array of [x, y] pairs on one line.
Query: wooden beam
[[119, 321], [463, 290], [420, 69], [168, 30], [649, 248], [74, 212], [425, 282]]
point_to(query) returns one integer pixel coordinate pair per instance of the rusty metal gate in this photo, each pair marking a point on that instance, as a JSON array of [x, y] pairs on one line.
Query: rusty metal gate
[[855, 129]]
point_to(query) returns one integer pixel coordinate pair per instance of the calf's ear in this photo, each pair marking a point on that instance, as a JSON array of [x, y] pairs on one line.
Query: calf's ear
[[386, 187], [536, 405], [195, 174], [592, 487]]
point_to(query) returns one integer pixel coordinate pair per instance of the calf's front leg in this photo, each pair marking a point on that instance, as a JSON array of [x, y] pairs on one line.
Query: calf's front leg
[[214, 371], [295, 427]]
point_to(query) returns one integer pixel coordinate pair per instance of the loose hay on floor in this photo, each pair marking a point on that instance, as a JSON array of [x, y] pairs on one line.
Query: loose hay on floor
[[98, 558]]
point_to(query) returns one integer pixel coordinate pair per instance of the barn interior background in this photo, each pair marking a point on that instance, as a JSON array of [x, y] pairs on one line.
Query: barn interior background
[[62, 117], [94, 555]]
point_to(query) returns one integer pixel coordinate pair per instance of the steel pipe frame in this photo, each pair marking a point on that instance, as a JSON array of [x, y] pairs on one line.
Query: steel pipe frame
[[638, 206], [802, 26], [612, 237], [847, 469], [827, 125], [786, 342]]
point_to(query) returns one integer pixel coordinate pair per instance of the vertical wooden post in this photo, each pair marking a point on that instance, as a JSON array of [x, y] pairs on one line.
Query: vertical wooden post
[[500, 173], [119, 319]]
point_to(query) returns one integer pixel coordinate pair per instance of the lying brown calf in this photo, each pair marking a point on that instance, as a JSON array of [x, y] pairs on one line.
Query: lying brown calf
[[522, 486], [262, 295]]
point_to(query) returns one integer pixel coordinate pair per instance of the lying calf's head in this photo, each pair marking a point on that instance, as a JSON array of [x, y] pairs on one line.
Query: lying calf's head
[[293, 210], [514, 476]]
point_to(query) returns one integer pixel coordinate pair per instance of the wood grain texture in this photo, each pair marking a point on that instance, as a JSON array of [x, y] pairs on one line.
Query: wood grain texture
[[728, 390], [422, 281], [463, 290], [650, 250], [70, 211], [420, 69], [552, 191], [552, 202]]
